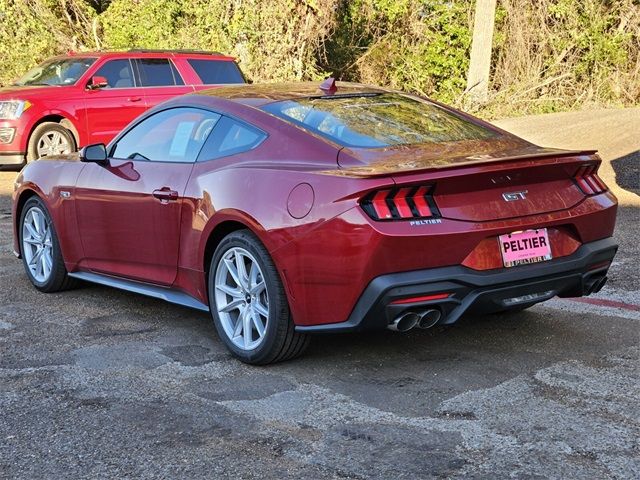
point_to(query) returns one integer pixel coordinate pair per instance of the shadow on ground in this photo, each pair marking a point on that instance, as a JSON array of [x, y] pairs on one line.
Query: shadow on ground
[[627, 170]]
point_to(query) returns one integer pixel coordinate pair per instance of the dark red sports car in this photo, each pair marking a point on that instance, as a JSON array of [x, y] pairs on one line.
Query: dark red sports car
[[288, 209]]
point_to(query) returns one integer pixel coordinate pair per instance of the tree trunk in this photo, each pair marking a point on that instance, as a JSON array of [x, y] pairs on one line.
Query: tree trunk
[[480, 64]]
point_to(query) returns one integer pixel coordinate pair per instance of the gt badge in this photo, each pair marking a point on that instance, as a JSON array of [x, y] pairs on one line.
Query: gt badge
[[513, 196]]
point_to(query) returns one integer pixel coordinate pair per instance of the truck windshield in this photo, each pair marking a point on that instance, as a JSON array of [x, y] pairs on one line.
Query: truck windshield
[[59, 71], [378, 120]]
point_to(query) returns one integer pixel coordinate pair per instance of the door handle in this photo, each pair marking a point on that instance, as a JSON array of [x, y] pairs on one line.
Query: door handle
[[165, 194], [134, 99]]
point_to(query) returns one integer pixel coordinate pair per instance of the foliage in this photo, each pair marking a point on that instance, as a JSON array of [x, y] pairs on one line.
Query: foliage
[[582, 53], [548, 54], [417, 46], [32, 30], [274, 40]]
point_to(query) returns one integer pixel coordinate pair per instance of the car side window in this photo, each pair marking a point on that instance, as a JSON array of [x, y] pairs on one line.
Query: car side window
[[173, 135], [118, 73], [158, 72], [216, 71], [229, 138]]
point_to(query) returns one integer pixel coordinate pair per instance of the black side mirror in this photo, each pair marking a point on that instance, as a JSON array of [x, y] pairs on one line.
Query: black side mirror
[[94, 153]]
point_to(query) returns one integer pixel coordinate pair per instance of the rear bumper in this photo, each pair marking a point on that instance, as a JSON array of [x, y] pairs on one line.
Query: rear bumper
[[12, 158], [477, 291]]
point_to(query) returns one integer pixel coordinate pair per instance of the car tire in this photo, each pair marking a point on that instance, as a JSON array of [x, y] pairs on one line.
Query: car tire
[[62, 141], [34, 240], [248, 300]]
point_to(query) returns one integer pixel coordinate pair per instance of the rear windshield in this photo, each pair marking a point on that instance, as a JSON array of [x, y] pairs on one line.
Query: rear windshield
[[216, 71], [378, 120]]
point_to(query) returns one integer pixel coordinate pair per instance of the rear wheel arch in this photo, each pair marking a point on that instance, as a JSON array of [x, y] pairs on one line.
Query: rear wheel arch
[[68, 124], [62, 120], [216, 235]]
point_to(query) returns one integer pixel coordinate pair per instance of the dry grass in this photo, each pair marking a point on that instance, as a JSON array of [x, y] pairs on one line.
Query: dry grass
[[552, 56]]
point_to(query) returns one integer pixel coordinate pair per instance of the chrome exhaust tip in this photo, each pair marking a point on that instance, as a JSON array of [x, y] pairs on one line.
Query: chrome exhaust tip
[[404, 322], [429, 318], [596, 285]]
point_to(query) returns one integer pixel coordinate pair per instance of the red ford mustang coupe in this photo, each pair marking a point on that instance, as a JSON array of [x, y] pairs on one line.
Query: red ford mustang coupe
[[291, 209]]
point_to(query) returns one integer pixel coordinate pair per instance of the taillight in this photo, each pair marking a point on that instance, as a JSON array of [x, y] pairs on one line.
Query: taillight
[[422, 298], [401, 203], [587, 179]]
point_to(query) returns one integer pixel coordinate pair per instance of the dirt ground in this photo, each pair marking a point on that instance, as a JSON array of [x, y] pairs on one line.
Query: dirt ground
[[99, 383]]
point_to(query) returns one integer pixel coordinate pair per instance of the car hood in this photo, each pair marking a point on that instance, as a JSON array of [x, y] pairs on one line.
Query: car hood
[[412, 158], [30, 91]]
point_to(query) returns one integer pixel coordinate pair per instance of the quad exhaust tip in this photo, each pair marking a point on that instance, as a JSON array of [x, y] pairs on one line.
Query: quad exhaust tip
[[408, 320], [429, 318], [404, 322], [596, 286]]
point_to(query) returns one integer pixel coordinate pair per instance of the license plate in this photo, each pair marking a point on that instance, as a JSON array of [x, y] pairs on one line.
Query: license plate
[[521, 248]]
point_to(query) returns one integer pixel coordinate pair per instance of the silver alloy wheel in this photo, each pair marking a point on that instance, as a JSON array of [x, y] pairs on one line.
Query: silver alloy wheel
[[242, 299], [37, 247], [53, 142]]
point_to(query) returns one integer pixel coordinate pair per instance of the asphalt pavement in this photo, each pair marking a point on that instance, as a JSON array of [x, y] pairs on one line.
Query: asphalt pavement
[[100, 383]]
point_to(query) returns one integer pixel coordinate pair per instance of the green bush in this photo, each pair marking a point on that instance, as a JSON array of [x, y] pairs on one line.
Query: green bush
[[275, 40], [422, 47], [32, 30]]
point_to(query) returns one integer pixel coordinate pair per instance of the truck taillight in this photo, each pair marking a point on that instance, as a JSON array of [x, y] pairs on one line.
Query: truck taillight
[[588, 181], [403, 203]]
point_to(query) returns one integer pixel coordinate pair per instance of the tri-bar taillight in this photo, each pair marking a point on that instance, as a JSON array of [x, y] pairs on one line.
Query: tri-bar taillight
[[587, 179], [404, 203]]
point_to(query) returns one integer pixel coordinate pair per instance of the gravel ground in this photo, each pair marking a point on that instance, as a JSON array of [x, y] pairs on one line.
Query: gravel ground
[[99, 383]]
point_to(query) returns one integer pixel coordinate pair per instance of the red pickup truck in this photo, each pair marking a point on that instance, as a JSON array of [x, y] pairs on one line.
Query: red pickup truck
[[84, 98]]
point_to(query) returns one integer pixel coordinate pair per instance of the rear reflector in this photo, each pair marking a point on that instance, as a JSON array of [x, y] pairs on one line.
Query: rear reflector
[[588, 181], [598, 265], [425, 298], [401, 203]]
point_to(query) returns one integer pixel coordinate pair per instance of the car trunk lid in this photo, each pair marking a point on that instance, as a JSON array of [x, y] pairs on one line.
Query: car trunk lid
[[480, 180]]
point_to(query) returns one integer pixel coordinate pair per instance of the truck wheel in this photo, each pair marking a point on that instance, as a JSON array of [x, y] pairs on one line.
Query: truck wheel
[[50, 138]]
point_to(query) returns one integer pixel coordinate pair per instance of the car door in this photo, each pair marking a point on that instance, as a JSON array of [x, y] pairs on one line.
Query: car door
[[129, 210], [160, 80], [110, 108]]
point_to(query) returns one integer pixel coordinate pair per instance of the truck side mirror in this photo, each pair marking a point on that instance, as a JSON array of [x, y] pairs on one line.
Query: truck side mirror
[[97, 82]]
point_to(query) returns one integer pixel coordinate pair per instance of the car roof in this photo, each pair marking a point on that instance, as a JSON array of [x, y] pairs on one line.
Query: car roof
[[146, 53], [257, 95]]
